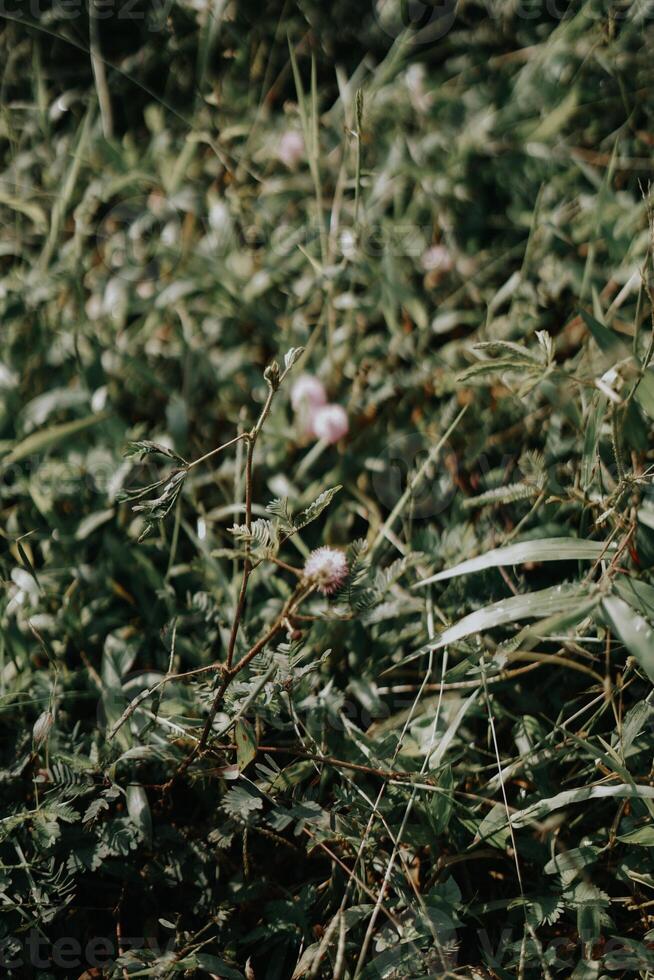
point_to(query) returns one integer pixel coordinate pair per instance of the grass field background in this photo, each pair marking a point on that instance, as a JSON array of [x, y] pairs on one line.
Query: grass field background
[[436, 770]]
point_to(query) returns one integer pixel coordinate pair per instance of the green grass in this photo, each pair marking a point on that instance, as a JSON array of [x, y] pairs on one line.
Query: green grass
[[446, 766]]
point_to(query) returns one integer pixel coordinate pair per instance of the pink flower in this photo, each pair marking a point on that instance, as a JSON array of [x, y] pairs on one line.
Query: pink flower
[[437, 259], [329, 423], [308, 391], [326, 568], [290, 149]]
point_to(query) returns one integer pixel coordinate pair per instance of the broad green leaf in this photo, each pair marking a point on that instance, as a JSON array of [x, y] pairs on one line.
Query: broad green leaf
[[510, 350], [494, 828], [92, 521], [246, 743], [138, 808], [446, 739], [644, 836], [536, 550], [634, 631], [38, 442], [572, 862], [636, 721], [644, 393], [637, 593], [559, 623], [533, 605], [117, 658], [607, 340], [214, 966], [543, 808]]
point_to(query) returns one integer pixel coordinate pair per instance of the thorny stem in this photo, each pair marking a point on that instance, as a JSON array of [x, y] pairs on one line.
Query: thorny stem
[[230, 672]]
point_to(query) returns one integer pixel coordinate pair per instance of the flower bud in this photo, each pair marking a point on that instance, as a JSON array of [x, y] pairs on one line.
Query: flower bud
[[41, 728]]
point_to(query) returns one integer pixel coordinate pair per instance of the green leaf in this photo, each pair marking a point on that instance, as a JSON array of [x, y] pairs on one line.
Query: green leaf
[[215, 966], [543, 808], [533, 605], [138, 808], [637, 593], [589, 901], [607, 340], [499, 366], [316, 508], [439, 805], [634, 631], [88, 524], [280, 508], [39, 441], [594, 419], [246, 743], [145, 447], [644, 393], [534, 550], [570, 864], [240, 804], [510, 350], [494, 828], [644, 836], [448, 736], [292, 356]]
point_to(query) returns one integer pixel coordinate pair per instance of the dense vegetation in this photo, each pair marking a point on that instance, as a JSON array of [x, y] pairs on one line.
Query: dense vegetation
[[210, 767]]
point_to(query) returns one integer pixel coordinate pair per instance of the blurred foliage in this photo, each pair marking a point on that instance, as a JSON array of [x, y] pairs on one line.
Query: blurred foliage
[[470, 232]]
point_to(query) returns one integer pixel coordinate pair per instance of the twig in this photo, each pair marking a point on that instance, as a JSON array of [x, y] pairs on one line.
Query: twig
[[274, 378], [218, 449], [230, 672]]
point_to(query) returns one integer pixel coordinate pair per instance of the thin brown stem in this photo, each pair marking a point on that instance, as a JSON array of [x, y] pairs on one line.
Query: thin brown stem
[[274, 378], [218, 449], [330, 760], [229, 673]]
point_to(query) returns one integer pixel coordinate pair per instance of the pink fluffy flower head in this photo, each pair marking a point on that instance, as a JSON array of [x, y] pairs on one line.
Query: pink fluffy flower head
[[437, 259], [309, 391], [326, 568], [291, 148], [330, 423]]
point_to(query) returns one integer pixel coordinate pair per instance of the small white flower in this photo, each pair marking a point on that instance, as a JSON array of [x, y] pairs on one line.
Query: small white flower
[[330, 423], [326, 568]]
